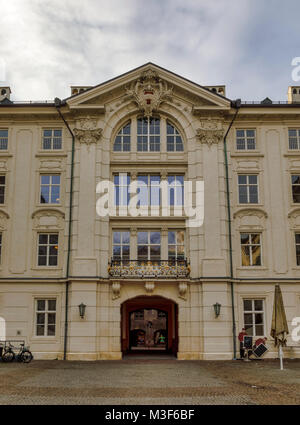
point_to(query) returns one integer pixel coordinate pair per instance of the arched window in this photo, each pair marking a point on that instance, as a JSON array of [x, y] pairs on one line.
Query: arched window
[[122, 140], [148, 134], [174, 140]]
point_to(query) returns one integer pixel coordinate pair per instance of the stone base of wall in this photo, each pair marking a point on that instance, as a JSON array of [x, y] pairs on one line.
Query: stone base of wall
[[109, 356]]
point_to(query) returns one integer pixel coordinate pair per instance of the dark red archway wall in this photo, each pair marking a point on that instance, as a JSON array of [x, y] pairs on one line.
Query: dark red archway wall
[[150, 302]]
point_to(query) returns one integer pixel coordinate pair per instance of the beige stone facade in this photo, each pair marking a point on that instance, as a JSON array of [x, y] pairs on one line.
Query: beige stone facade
[[266, 207]]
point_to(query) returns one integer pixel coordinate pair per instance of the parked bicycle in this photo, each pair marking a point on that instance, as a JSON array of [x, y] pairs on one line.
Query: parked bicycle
[[24, 355]]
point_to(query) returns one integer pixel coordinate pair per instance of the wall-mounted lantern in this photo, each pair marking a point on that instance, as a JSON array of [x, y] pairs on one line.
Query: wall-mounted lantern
[[82, 310], [217, 308]]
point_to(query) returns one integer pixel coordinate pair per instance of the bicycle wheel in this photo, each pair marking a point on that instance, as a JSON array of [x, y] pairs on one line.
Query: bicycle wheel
[[26, 357], [8, 356]]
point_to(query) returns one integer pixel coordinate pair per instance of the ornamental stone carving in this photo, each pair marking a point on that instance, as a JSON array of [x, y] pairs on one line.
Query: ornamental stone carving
[[149, 286], [88, 132], [210, 131], [182, 289], [148, 92], [116, 290]]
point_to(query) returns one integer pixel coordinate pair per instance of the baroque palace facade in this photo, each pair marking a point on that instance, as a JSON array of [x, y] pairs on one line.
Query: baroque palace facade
[[81, 286]]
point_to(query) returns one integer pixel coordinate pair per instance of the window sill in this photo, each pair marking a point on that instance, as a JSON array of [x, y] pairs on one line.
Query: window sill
[[59, 153], [252, 268], [5, 154], [239, 154]]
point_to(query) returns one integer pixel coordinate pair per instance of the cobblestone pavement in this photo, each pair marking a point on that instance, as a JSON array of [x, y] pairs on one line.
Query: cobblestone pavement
[[150, 381]]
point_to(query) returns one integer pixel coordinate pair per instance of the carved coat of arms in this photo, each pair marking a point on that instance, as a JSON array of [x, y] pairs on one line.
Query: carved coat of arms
[[148, 92]]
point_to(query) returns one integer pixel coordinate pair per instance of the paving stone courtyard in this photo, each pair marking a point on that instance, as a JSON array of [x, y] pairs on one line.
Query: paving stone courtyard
[[160, 381]]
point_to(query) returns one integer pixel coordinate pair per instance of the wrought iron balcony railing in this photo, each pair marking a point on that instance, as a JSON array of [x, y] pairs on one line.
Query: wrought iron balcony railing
[[149, 269]]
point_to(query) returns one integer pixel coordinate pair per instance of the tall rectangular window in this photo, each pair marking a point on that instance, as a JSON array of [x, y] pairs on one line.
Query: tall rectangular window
[[148, 190], [296, 188], [3, 139], [251, 249], [176, 190], [248, 189], [121, 189], [48, 249], [148, 246], [52, 139], [294, 138], [2, 189], [176, 245], [297, 241], [254, 317], [245, 140], [50, 189], [148, 134], [121, 245], [45, 317]]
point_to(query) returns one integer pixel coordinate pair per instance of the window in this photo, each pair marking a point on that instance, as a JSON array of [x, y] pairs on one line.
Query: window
[[0, 247], [121, 189], [174, 140], [3, 139], [251, 249], [176, 190], [248, 189], [296, 188], [121, 245], [297, 240], [45, 317], [148, 134], [245, 140], [148, 190], [149, 246], [122, 140], [254, 317], [52, 139], [294, 139], [176, 245], [47, 249], [2, 189], [50, 189]]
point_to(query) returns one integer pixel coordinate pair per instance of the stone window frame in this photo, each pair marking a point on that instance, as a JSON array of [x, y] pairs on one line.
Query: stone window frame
[[164, 119], [297, 129], [36, 295], [41, 228], [246, 150], [55, 170], [251, 266], [46, 312], [247, 174], [52, 128], [164, 229], [253, 312], [291, 174], [48, 245], [4, 242], [8, 137]]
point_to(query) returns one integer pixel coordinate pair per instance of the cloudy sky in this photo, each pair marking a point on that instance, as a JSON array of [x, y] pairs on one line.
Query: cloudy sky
[[48, 45]]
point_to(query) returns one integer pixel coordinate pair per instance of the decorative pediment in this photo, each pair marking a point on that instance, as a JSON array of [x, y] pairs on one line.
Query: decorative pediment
[[250, 212], [148, 87], [50, 218], [88, 132]]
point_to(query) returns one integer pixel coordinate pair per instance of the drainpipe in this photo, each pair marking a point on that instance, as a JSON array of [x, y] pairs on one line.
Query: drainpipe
[[58, 104], [237, 105]]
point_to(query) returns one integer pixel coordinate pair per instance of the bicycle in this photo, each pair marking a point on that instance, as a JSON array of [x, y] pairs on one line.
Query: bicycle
[[24, 355]]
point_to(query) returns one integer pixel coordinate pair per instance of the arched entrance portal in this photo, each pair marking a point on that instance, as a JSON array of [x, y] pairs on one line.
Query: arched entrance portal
[[149, 324]]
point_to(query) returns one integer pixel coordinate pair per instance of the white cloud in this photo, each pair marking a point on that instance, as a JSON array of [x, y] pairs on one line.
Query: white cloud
[[47, 45]]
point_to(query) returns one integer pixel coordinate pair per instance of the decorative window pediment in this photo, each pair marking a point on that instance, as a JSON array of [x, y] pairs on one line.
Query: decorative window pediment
[[50, 218]]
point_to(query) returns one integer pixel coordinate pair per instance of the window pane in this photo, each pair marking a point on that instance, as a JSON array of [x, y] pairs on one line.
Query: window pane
[[40, 318], [259, 330], [142, 237], [155, 237], [117, 251], [243, 195], [40, 330], [248, 318], [245, 255], [52, 305], [117, 237], [51, 330], [252, 179], [259, 319], [245, 238], [52, 260], [258, 305], [42, 261], [41, 305], [43, 239], [53, 239], [242, 179], [256, 258], [247, 305], [51, 318]]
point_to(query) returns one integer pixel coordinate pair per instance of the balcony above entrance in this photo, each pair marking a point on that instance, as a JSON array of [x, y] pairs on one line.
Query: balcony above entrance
[[149, 269]]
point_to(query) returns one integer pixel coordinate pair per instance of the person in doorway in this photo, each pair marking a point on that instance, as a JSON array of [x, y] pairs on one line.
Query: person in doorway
[[241, 339]]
